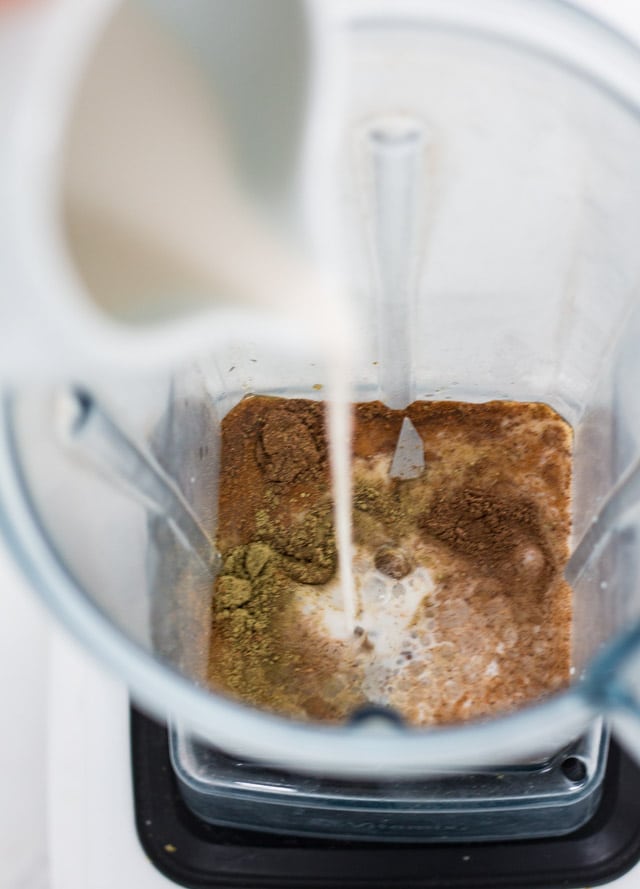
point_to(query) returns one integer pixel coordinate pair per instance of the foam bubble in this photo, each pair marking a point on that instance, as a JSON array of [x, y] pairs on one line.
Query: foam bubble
[[391, 637]]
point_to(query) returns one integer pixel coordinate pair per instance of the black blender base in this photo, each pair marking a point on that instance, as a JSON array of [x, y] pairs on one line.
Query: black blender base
[[195, 854]]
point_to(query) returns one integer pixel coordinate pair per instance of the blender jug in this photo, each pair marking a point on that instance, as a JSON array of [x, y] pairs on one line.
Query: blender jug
[[483, 192]]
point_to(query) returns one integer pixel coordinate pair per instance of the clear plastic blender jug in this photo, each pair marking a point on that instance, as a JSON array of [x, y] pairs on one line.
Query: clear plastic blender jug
[[486, 195]]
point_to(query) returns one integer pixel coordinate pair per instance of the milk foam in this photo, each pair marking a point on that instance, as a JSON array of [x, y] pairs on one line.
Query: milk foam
[[393, 633]]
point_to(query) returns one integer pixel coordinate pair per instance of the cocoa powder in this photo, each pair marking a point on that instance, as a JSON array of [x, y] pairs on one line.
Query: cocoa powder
[[286, 447], [489, 529], [488, 519]]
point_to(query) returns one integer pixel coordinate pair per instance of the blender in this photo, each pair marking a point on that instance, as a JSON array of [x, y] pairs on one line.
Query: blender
[[470, 173]]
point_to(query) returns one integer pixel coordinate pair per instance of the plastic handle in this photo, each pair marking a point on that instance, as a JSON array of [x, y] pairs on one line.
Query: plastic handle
[[49, 327], [44, 324]]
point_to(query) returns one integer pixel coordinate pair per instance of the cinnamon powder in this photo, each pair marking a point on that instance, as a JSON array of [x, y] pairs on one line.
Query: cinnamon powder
[[487, 523]]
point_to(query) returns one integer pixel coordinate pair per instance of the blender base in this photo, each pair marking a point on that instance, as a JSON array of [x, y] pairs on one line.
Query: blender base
[[551, 794], [193, 853]]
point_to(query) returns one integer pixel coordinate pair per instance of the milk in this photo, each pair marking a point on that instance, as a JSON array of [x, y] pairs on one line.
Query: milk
[[392, 636], [165, 200]]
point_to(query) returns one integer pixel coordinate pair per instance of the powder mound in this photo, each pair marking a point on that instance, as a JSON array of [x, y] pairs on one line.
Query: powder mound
[[500, 534], [393, 561], [232, 591], [286, 449], [463, 611]]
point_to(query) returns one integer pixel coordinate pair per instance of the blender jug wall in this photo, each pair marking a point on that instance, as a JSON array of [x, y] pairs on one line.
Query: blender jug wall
[[485, 195]]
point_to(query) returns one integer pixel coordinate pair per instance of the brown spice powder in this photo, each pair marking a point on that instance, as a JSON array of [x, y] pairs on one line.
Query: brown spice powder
[[489, 519]]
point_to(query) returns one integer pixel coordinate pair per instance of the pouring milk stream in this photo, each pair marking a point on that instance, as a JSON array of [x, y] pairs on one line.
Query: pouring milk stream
[[165, 201]]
